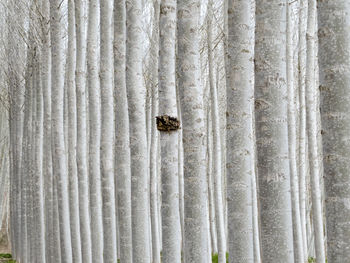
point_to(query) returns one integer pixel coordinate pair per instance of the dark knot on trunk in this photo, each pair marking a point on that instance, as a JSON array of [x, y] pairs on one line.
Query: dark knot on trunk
[[167, 123]]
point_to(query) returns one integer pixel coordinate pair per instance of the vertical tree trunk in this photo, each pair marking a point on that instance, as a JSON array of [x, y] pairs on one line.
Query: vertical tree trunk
[[331, 120], [217, 153], [107, 132], [272, 132], [72, 137], [193, 125], [94, 132], [302, 119], [122, 141], [138, 139], [292, 138], [153, 137], [38, 175], [58, 147], [171, 233], [240, 141], [80, 75]]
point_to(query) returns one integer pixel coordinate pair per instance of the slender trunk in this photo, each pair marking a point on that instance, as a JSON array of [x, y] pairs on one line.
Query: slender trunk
[[72, 137], [239, 118], [38, 175], [154, 138], [311, 118], [138, 139], [171, 248], [80, 82], [122, 141], [193, 126], [292, 139], [58, 147], [107, 132], [302, 125], [94, 133], [272, 132], [217, 153]]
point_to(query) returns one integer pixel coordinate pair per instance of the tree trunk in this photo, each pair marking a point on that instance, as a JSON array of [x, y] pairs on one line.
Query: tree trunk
[[122, 141], [292, 138], [171, 232], [302, 119], [193, 126], [272, 132], [138, 139], [240, 140], [58, 147], [72, 137], [80, 82], [94, 132], [107, 132]]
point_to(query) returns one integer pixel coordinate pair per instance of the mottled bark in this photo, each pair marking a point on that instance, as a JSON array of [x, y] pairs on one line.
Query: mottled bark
[[193, 127], [94, 132], [138, 140], [58, 147], [107, 132], [171, 233], [72, 136], [272, 132], [239, 118], [122, 140]]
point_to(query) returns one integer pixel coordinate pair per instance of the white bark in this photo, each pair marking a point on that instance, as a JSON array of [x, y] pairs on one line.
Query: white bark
[[240, 140], [138, 139], [94, 132], [171, 232], [311, 118], [80, 82], [292, 138], [193, 125], [38, 175], [154, 138], [107, 132], [272, 132], [122, 141], [217, 153], [58, 149], [72, 137], [302, 119]]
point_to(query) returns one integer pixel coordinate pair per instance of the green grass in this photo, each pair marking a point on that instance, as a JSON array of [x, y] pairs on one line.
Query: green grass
[[7, 256], [215, 258]]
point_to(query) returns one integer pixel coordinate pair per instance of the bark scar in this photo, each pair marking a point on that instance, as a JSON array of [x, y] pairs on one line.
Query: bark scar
[[167, 123]]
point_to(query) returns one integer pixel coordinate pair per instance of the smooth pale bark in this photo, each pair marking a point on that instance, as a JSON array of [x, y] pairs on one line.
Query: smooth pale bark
[[94, 132], [240, 140], [72, 136], [193, 128], [138, 139], [47, 156], [292, 137], [312, 130], [272, 132], [82, 165], [171, 247], [217, 153], [302, 120], [154, 138], [180, 170], [25, 161], [38, 197], [212, 221], [58, 147], [107, 132], [122, 140]]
